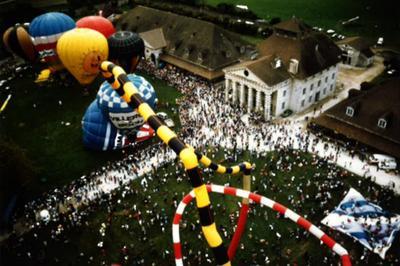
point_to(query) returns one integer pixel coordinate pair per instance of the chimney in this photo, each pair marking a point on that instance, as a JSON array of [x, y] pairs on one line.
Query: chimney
[[277, 63], [293, 66]]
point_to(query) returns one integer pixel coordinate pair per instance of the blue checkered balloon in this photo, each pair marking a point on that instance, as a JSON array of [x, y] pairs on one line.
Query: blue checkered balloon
[[118, 111]]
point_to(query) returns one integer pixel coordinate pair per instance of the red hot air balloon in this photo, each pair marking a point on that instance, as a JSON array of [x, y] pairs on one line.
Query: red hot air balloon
[[97, 23]]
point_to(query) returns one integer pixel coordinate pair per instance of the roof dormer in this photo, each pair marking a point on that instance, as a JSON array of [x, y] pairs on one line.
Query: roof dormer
[[384, 120], [352, 108]]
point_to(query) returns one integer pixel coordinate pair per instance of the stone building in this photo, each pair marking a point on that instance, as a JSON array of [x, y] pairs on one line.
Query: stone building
[[297, 67], [197, 46], [371, 117], [356, 51]]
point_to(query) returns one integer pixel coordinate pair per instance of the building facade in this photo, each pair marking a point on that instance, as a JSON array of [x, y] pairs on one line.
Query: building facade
[[154, 43], [245, 88], [370, 117], [297, 68]]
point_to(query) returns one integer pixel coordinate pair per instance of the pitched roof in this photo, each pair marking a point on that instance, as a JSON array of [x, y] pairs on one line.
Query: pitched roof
[[154, 38], [264, 69], [295, 40], [382, 101], [294, 25], [358, 43], [198, 42]]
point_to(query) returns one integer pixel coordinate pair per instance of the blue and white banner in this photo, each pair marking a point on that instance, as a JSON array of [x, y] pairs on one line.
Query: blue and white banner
[[366, 222]]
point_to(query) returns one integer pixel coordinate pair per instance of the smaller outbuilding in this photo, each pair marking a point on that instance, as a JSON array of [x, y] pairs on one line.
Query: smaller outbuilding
[[356, 51], [154, 42]]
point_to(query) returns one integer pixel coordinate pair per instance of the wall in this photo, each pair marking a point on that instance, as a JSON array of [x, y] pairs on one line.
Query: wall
[[325, 89]]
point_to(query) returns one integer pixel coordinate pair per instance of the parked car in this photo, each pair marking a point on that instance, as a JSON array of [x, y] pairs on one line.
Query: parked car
[[376, 158], [168, 121], [387, 165], [286, 113], [384, 162]]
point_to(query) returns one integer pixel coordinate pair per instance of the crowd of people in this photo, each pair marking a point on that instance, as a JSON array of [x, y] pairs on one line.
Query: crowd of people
[[207, 121]]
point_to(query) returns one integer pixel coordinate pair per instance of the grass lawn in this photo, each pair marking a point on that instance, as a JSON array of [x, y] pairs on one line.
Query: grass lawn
[[78, 243], [57, 150], [377, 18]]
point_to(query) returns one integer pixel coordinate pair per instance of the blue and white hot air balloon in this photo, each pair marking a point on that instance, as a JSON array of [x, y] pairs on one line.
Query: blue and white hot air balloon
[[99, 133], [121, 115]]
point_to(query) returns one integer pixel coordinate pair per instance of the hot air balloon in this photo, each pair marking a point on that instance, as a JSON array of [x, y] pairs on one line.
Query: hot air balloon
[[82, 51], [97, 23], [119, 112], [99, 133], [144, 133], [126, 49], [18, 41], [46, 29]]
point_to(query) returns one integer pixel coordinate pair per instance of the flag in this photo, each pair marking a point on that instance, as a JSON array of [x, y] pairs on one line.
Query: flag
[[366, 222]]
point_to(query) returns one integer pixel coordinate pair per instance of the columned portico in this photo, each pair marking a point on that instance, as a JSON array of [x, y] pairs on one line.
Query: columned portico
[[242, 95], [267, 104], [250, 100], [258, 100], [228, 89], [236, 88]]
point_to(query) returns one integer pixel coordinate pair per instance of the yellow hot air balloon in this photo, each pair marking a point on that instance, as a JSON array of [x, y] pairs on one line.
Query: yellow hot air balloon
[[82, 51]]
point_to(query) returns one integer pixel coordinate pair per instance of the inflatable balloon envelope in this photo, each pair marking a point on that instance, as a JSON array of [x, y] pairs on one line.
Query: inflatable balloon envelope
[[46, 30], [97, 23], [126, 48], [99, 133], [120, 113], [145, 133], [82, 51], [18, 41]]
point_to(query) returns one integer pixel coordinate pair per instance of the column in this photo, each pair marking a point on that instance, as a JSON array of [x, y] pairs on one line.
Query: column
[[242, 95], [267, 106], [234, 93], [250, 100], [227, 90], [258, 100]]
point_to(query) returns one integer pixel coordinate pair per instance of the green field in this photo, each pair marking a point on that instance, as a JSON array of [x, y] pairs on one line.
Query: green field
[[76, 244], [377, 18], [56, 149]]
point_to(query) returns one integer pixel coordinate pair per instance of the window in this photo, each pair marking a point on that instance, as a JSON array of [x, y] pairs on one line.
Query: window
[[326, 79], [302, 103], [246, 73], [304, 91], [284, 93], [333, 75], [382, 123], [319, 83], [309, 99], [311, 87], [324, 91], [283, 105], [350, 111], [331, 87]]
